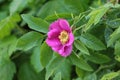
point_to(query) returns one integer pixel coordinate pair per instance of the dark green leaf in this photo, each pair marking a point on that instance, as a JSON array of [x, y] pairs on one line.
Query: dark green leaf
[[26, 72]]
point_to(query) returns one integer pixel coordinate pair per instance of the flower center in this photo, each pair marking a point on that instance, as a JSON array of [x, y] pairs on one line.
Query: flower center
[[63, 37]]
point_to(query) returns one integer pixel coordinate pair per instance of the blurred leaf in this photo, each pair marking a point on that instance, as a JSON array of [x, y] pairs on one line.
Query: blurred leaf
[[7, 69], [114, 23], [110, 76], [80, 46], [46, 54], [117, 57], [62, 6], [65, 69], [80, 72], [96, 15], [97, 58], [57, 76], [7, 24], [36, 23], [8, 46], [56, 16], [35, 59], [91, 77], [92, 42], [113, 37], [26, 72], [29, 40], [117, 48], [54, 64], [79, 62], [17, 6]]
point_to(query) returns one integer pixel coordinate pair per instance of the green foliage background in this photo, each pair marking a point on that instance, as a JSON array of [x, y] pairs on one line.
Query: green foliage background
[[24, 55]]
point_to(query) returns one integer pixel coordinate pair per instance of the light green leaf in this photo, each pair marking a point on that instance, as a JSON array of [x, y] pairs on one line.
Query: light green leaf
[[35, 59], [17, 6], [113, 37], [7, 24], [8, 46], [92, 42], [97, 58], [46, 54], [110, 76], [7, 69], [29, 40], [36, 23], [80, 72], [79, 62], [117, 48], [80, 46], [57, 76], [96, 15]]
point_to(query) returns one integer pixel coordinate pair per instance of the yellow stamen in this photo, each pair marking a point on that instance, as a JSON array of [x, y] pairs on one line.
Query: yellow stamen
[[63, 37]]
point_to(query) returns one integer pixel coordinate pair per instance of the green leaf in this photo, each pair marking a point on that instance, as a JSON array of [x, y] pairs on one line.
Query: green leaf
[[117, 48], [17, 6], [114, 37], [92, 42], [65, 69], [97, 58], [80, 46], [68, 6], [7, 24], [26, 72], [56, 16], [91, 77], [29, 40], [7, 69], [35, 59], [57, 76], [110, 76], [36, 23], [45, 54], [96, 15], [114, 23], [54, 65], [79, 62], [8, 46], [80, 72]]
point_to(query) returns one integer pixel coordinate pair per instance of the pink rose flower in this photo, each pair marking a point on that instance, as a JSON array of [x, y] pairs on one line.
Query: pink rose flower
[[60, 37]]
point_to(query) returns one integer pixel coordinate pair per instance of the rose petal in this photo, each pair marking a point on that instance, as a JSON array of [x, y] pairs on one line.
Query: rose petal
[[65, 51], [71, 39], [53, 33], [55, 25], [64, 25], [57, 48], [53, 42]]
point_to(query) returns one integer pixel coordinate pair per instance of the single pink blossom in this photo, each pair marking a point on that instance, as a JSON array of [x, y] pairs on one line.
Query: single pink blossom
[[60, 37]]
